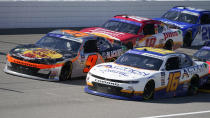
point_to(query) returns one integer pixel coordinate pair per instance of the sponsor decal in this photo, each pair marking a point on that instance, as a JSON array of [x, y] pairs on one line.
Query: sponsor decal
[[115, 71], [111, 54], [121, 70], [76, 33], [170, 34], [162, 78], [195, 69], [106, 82], [41, 53], [108, 33], [205, 33]]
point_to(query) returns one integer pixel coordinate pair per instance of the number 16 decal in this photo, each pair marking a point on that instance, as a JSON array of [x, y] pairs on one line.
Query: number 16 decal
[[90, 62], [173, 81]]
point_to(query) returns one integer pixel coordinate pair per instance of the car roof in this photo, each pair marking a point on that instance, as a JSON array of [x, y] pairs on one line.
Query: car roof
[[206, 47], [136, 19], [153, 52], [70, 35], [73, 33], [190, 9]]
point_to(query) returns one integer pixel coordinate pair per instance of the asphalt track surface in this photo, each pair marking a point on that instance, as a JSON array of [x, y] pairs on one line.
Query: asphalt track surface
[[27, 98]]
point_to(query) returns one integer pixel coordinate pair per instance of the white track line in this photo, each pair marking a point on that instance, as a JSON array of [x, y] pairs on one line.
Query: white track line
[[179, 114]]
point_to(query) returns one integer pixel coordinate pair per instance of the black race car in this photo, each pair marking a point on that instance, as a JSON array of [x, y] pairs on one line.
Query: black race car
[[61, 55]]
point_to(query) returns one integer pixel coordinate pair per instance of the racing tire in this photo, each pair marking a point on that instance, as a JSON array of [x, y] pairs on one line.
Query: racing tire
[[149, 90], [66, 71], [169, 45], [187, 40], [194, 85]]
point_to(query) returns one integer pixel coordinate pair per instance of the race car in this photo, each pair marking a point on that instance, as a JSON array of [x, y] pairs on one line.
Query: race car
[[145, 73], [194, 23], [203, 55], [61, 55], [135, 31]]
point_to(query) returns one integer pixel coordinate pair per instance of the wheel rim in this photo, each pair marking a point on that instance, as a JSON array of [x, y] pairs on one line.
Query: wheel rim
[[148, 91], [65, 72]]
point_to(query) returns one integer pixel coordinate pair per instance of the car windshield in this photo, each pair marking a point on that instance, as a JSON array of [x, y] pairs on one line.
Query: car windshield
[[59, 43], [121, 27], [139, 61], [202, 55], [181, 17]]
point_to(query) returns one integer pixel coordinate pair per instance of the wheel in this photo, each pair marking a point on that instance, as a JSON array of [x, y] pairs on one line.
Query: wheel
[[168, 45], [194, 85], [149, 90], [66, 72], [187, 40]]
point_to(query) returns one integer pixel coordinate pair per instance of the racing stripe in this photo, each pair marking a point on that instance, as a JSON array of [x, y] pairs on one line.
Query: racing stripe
[[35, 65]]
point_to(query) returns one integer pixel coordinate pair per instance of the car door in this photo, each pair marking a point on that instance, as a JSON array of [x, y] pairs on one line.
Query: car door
[[185, 63], [173, 75], [159, 36], [148, 39], [205, 26], [108, 51], [90, 54]]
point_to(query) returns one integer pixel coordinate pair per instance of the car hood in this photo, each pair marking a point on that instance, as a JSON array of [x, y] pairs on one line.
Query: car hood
[[120, 72], [109, 33], [181, 25], [38, 54]]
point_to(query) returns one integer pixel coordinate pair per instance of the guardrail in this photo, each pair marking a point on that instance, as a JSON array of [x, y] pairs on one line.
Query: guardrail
[[51, 14]]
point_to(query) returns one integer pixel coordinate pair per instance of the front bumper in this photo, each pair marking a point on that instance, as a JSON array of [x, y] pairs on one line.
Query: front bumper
[[28, 73], [111, 94]]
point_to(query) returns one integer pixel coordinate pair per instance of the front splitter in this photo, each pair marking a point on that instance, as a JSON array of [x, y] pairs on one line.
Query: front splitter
[[134, 98]]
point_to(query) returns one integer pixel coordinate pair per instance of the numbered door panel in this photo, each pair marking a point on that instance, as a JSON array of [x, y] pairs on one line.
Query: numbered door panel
[[151, 38], [91, 60], [173, 80], [174, 75], [205, 29]]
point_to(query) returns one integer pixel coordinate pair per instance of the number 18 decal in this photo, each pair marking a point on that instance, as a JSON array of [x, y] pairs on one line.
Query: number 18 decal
[[90, 62], [173, 81], [151, 42]]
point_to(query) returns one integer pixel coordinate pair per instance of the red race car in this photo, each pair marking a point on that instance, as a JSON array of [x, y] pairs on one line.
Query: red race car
[[134, 31]]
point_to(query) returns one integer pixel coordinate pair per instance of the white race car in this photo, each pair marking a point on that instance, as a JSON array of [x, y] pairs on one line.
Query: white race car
[[146, 73]]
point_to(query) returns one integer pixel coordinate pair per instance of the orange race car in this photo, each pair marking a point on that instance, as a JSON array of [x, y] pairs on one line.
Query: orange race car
[[61, 55]]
